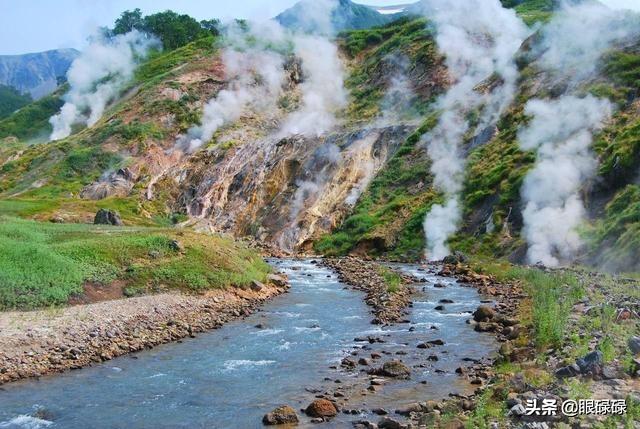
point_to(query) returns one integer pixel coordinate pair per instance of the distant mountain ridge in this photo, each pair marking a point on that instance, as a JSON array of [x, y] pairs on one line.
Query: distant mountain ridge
[[347, 15], [36, 73]]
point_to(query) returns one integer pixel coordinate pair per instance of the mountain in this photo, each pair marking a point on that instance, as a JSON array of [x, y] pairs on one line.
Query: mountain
[[346, 15], [38, 73]]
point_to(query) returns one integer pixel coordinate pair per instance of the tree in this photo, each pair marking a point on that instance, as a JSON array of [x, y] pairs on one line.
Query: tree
[[172, 29], [129, 20], [211, 25]]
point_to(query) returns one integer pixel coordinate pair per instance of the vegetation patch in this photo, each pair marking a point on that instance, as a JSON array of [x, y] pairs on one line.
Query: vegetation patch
[[44, 264]]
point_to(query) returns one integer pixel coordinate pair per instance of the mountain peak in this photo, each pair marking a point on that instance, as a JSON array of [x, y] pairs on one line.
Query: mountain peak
[[311, 16]]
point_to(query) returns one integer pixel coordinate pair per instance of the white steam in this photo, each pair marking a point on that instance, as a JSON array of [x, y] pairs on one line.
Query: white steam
[[560, 131], [256, 82], [573, 43], [97, 77], [479, 39], [323, 92]]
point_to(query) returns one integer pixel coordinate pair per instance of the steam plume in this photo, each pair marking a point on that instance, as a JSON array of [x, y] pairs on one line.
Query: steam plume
[[323, 92], [479, 39], [561, 130], [97, 77], [256, 81]]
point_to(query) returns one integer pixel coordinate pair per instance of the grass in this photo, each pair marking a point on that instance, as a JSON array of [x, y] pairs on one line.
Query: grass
[[377, 54], [44, 264], [392, 279], [552, 294], [616, 236], [489, 408]]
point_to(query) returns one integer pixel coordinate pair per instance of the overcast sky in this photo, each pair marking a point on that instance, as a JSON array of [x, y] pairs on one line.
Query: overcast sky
[[39, 25]]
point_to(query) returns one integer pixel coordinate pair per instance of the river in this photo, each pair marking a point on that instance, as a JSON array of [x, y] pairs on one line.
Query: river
[[230, 377]]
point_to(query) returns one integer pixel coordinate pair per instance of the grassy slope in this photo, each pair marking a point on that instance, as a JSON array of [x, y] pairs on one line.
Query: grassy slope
[[68, 165], [387, 219], [11, 100], [388, 216], [31, 122], [44, 264]]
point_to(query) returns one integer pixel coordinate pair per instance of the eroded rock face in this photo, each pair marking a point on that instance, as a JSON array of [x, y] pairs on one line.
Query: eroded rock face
[[288, 191]]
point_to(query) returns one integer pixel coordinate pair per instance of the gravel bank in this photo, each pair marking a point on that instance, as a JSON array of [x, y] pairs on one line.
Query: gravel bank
[[388, 307], [42, 342]]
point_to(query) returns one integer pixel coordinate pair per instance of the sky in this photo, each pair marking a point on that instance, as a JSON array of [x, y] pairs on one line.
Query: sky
[[39, 25]]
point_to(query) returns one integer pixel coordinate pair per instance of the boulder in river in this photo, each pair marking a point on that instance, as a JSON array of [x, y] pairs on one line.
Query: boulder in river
[[283, 415], [395, 369], [388, 423], [107, 217], [483, 313], [455, 258], [321, 408]]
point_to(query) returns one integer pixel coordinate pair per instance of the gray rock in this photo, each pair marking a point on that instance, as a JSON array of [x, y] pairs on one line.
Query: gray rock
[[592, 362], [387, 423], [634, 345], [517, 410], [176, 246], [107, 217], [411, 408], [256, 286], [455, 258], [395, 369], [277, 280]]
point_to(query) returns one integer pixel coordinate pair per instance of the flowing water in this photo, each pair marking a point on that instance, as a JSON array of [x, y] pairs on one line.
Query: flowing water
[[228, 378]]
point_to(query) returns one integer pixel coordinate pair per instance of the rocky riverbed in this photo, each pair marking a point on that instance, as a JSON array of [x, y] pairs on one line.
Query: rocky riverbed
[[37, 343], [389, 305]]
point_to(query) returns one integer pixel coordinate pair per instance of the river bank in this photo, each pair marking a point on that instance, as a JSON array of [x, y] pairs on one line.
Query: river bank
[[42, 342]]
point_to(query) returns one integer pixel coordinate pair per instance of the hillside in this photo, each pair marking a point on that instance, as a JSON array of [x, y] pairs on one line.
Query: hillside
[[289, 193], [36, 74], [11, 100]]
